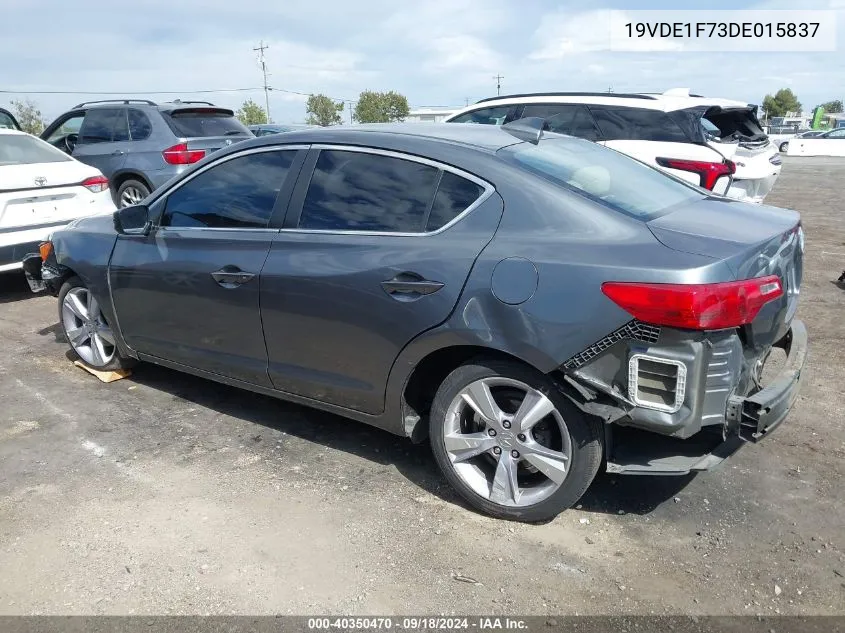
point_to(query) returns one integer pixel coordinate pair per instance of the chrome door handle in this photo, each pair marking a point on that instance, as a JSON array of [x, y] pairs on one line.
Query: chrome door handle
[[231, 276]]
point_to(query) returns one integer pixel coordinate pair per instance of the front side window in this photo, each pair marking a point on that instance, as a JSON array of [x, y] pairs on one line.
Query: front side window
[[356, 191], [99, 125], [487, 116], [236, 194], [637, 124], [69, 126], [602, 174], [839, 133]]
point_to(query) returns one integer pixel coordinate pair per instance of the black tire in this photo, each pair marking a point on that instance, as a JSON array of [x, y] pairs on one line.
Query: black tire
[[117, 361], [585, 436], [133, 187], [783, 147]]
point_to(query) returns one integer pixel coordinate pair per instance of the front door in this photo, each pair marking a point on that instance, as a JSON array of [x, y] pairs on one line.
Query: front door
[[189, 292], [103, 139], [377, 248]]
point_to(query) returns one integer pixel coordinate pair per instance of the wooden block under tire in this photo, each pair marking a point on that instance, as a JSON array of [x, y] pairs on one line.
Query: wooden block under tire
[[104, 376]]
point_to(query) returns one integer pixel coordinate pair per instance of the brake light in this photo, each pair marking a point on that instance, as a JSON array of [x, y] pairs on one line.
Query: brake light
[[96, 184], [708, 172], [181, 155], [695, 306], [44, 249]]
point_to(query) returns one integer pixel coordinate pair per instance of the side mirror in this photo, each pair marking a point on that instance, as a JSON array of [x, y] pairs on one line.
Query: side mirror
[[134, 220]]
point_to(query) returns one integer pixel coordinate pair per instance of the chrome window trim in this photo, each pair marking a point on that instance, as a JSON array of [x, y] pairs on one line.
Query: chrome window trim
[[680, 386], [489, 189]]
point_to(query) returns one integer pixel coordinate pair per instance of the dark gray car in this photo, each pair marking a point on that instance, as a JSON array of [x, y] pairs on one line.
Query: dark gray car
[[539, 306], [140, 145]]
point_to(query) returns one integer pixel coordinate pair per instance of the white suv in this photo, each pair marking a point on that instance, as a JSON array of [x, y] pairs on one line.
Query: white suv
[[714, 143]]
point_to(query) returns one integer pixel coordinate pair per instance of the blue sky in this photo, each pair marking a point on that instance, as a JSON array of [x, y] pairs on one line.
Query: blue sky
[[436, 52]]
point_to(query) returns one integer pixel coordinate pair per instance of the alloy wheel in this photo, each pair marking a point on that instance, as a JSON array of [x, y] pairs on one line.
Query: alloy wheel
[[507, 441], [130, 196], [86, 328]]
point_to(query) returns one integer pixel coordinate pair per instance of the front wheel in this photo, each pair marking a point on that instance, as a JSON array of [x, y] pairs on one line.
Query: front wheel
[[784, 147], [510, 443], [86, 329]]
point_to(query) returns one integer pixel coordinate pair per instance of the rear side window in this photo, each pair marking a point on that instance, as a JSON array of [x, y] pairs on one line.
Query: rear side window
[[139, 125], [356, 191], [99, 125], [121, 127], [603, 175], [454, 195], [203, 122], [236, 194], [637, 124], [495, 115], [17, 149], [564, 118]]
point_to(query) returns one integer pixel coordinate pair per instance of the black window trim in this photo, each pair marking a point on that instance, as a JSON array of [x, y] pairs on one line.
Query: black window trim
[[298, 200], [159, 205]]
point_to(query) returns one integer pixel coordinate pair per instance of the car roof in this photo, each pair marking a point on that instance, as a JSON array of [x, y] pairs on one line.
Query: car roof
[[5, 130], [166, 106], [671, 100], [482, 137]]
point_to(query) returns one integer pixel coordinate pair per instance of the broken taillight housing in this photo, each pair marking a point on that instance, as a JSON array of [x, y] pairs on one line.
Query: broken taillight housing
[[695, 306], [708, 172]]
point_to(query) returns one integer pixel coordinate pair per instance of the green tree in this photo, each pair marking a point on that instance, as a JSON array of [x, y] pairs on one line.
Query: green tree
[[834, 106], [29, 116], [781, 104], [323, 110], [250, 113], [380, 107]]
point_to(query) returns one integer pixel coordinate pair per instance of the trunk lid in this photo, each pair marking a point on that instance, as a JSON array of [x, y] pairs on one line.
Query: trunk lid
[[207, 128], [754, 241]]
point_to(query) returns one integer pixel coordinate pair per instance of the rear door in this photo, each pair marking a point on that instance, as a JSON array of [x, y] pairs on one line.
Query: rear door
[[376, 249], [206, 128], [103, 139], [189, 292]]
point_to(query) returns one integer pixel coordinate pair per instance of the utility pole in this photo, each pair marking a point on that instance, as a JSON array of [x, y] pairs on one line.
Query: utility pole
[[261, 48], [498, 79], [610, 89], [466, 101]]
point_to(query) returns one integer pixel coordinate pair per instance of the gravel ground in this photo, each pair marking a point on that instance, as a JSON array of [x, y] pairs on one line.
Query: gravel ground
[[163, 493]]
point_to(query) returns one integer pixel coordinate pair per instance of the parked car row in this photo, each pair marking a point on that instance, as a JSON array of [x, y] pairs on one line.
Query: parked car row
[[537, 306], [714, 143]]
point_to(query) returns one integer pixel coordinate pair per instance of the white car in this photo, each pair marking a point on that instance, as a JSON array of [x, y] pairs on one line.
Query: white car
[[42, 189], [714, 143]]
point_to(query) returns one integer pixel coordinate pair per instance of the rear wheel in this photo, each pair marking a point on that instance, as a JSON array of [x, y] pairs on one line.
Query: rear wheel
[[783, 147], [131, 192], [86, 329], [510, 443]]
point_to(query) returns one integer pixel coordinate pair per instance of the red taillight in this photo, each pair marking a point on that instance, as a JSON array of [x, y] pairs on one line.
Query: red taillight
[[96, 184], [695, 306], [708, 172], [181, 155]]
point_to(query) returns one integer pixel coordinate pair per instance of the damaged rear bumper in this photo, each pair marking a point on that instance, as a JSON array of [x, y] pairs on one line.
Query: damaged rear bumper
[[748, 418]]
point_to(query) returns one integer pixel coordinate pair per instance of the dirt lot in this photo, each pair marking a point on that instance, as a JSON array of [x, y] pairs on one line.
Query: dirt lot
[[163, 493]]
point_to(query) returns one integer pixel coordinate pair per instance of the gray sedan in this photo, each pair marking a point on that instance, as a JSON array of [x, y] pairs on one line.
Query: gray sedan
[[539, 307]]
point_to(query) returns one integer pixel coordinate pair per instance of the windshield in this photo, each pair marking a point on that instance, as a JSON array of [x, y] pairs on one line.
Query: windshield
[[22, 149], [200, 122], [603, 174]]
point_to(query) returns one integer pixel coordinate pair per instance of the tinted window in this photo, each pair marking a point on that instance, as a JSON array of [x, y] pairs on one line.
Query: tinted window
[[139, 125], [70, 126], [121, 127], [367, 192], [602, 174], [453, 197], [488, 116], [17, 149], [238, 193], [562, 118], [205, 122], [836, 134], [637, 124], [98, 125]]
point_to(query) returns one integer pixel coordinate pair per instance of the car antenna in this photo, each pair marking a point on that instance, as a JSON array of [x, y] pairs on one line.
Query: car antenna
[[529, 129]]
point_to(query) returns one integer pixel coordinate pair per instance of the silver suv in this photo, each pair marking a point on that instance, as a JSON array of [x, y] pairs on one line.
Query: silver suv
[[138, 144]]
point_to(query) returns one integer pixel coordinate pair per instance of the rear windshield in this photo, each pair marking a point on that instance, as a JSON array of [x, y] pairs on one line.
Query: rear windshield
[[604, 175], [735, 124], [18, 149], [205, 122]]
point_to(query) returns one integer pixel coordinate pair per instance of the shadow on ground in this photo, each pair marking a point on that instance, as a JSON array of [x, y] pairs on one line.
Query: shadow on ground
[[13, 287], [608, 494]]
